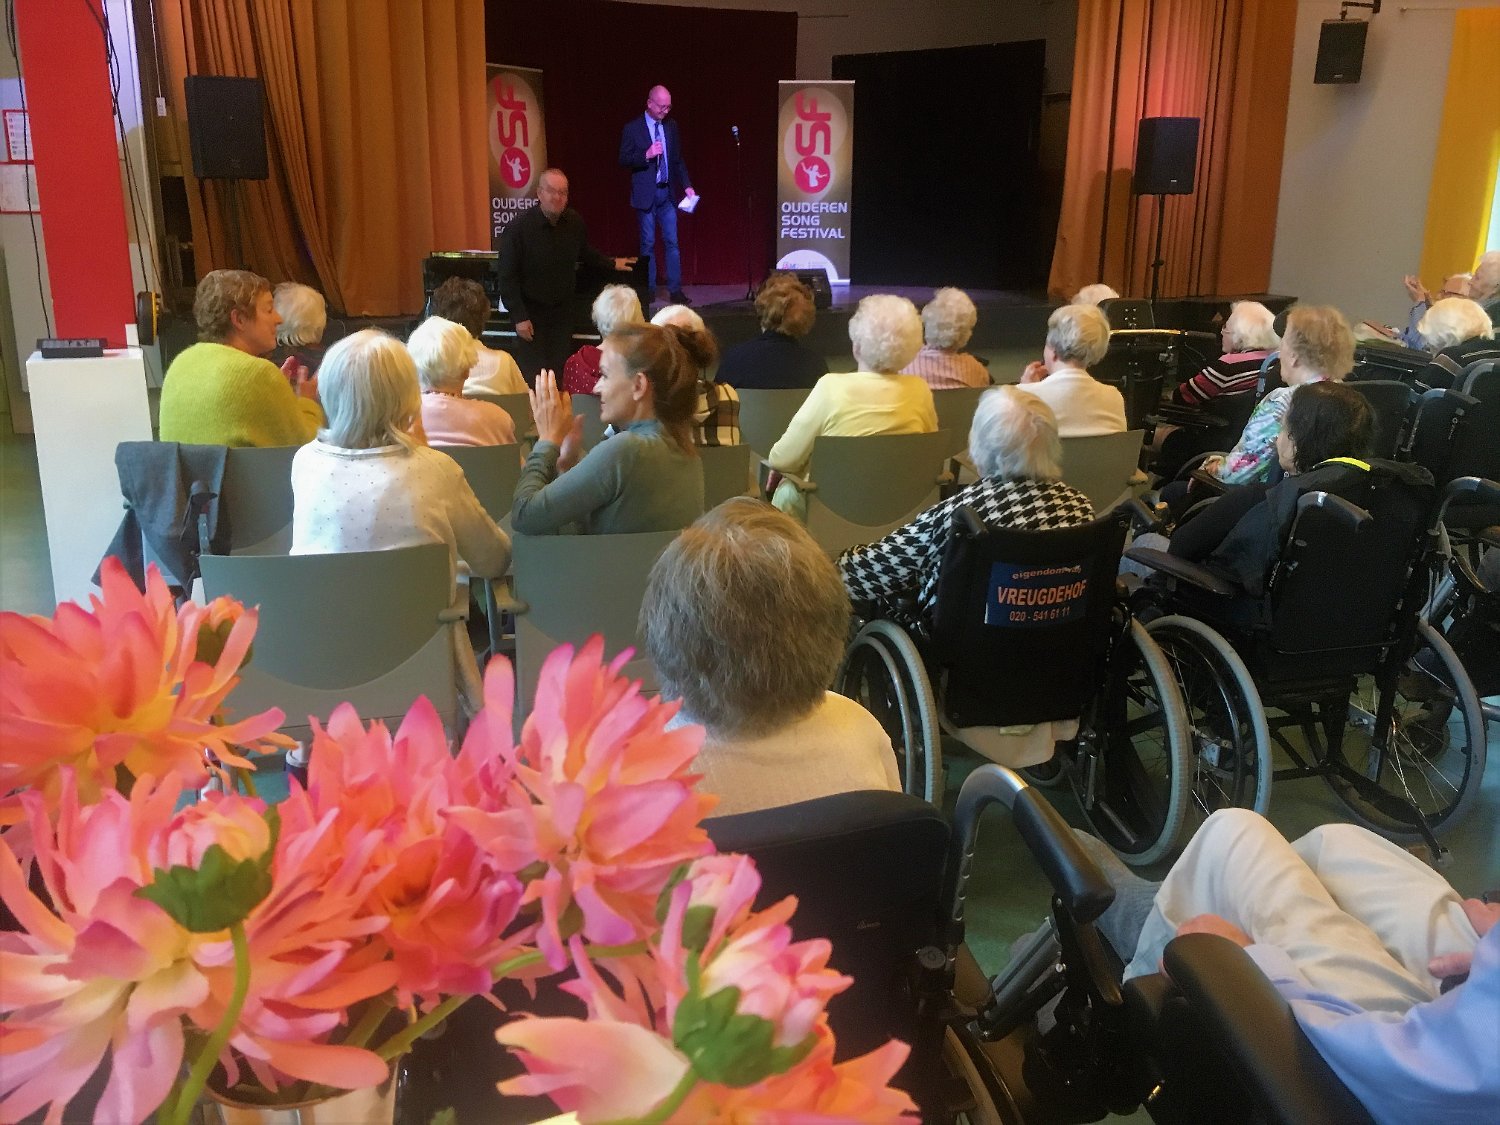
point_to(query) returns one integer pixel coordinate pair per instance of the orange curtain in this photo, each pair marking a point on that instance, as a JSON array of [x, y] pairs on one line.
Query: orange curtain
[[375, 133], [1226, 62]]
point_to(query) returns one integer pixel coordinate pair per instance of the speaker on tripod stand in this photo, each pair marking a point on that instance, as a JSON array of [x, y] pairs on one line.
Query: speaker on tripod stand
[[1166, 160], [227, 134]]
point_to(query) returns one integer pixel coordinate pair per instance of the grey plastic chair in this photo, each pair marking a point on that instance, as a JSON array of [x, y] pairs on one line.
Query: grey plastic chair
[[587, 407], [519, 409], [373, 628], [955, 412], [863, 487], [569, 587], [726, 473], [764, 416], [492, 472], [1103, 468], [256, 499]]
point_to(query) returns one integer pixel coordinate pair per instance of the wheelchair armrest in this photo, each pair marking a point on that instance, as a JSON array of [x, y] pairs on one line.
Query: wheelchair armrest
[[1470, 490], [1176, 415], [1181, 569], [1209, 482], [1234, 1011], [1352, 514], [1142, 518], [1071, 872]]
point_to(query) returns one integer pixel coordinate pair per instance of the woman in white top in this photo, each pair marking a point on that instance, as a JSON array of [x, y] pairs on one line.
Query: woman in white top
[[1077, 338], [463, 301], [365, 484], [745, 619], [886, 334]]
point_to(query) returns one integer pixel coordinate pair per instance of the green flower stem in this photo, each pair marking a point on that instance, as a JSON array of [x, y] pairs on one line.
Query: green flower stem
[[398, 1044], [203, 1065], [668, 1105], [369, 1023]]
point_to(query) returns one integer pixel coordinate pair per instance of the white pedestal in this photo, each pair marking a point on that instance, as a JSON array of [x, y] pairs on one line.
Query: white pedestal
[[83, 408]]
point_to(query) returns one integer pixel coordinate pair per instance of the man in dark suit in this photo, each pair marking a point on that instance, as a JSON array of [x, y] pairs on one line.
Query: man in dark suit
[[651, 149]]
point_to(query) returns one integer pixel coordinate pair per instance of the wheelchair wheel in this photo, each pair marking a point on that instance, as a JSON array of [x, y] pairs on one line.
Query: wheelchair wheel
[[1231, 743], [1431, 752], [884, 673], [1133, 775]]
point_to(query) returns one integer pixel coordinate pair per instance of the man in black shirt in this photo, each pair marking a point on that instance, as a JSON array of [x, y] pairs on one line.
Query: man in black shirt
[[540, 254]]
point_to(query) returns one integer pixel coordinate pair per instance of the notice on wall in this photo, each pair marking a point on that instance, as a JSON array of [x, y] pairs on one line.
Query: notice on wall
[[17, 135], [814, 177], [518, 143], [18, 195]]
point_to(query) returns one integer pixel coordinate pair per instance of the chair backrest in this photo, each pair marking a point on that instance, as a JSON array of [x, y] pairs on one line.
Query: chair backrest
[[518, 406], [1270, 376], [256, 499], [1477, 450], [1380, 360], [572, 586], [587, 408], [868, 486], [867, 869], [1022, 618], [1390, 401], [1101, 467], [366, 627], [492, 472], [726, 473], [1343, 573], [955, 412], [1128, 312], [764, 415]]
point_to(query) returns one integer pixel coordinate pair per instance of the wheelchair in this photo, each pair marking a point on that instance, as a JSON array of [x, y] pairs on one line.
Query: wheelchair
[[1337, 649], [1030, 628]]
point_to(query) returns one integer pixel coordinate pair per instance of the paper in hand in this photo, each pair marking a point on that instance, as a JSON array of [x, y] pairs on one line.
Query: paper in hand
[[689, 203]]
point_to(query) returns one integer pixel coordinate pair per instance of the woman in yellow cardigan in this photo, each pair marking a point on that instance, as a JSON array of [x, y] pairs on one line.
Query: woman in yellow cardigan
[[220, 391]]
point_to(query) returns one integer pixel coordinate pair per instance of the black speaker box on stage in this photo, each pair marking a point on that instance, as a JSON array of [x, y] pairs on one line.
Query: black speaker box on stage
[[226, 127], [1341, 51], [817, 281], [1166, 155]]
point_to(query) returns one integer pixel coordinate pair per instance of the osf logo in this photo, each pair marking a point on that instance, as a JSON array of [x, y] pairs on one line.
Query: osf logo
[[515, 129], [814, 124]]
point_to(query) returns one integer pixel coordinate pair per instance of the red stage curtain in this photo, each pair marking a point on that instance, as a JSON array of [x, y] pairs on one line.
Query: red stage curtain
[[375, 131], [599, 59], [1227, 62]]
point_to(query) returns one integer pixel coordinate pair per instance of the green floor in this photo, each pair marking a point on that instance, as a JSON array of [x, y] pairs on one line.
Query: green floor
[[1007, 895]]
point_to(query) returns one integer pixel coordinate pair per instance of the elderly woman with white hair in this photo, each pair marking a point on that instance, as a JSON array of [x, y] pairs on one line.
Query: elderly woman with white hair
[[1094, 294], [716, 418], [1460, 332], [304, 319], [947, 323], [616, 306], [1248, 336], [366, 484], [886, 334], [1077, 338], [444, 352], [745, 619]]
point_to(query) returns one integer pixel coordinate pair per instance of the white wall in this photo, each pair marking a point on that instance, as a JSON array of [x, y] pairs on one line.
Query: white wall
[[1359, 160]]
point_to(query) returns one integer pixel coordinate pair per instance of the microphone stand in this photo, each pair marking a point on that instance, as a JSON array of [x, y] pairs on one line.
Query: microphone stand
[[739, 168]]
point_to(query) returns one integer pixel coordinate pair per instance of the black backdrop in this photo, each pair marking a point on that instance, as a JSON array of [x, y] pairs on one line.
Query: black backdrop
[[946, 180], [598, 59]]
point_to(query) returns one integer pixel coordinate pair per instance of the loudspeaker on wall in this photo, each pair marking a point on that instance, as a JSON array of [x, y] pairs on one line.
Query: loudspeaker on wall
[[1166, 155], [1341, 51], [226, 127]]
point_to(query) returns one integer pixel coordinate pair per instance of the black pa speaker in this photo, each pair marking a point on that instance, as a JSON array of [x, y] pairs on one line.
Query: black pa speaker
[[1166, 155], [817, 281], [1341, 51], [226, 127]]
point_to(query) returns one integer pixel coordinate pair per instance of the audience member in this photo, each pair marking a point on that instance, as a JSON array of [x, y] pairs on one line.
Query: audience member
[[1358, 935], [1454, 285], [1093, 294], [1484, 286], [1248, 337], [776, 359], [886, 333], [716, 418], [1460, 332], [616, 305], [746, 620], [1077, 338], [947, 323], [220, 391], [647, 477], [304, 318], [366, 484], [463, 301], [444, 352]]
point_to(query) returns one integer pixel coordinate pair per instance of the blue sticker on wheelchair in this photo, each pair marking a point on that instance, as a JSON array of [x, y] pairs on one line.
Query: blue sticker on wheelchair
[[1026, 597]]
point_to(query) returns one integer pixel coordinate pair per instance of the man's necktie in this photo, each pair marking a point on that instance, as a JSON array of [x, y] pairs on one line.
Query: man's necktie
[[661, 159]]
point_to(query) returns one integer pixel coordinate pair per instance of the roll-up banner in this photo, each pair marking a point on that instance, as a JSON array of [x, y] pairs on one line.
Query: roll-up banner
[[518, 143], [814, 177]]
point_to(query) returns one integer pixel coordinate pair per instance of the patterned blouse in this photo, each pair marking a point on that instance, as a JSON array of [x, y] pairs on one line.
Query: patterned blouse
[[1250, 461], [716, 421], [907, 561]]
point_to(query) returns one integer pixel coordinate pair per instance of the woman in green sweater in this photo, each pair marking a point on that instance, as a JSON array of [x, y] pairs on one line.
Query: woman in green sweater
[[647, 477], [220, 391]]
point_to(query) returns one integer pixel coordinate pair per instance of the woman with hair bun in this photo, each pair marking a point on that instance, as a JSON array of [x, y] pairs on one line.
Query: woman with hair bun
[[647, 476]]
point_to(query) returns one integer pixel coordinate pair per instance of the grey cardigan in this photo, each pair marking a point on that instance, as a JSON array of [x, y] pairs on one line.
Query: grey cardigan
[[637, 480]]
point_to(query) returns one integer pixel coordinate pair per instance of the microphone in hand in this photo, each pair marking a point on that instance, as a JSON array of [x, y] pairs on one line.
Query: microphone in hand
[[735, 129]]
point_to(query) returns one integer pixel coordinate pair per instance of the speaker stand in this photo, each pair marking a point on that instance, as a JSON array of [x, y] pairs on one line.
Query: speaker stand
[[739, 172], [236, 248], [1158, 261]]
